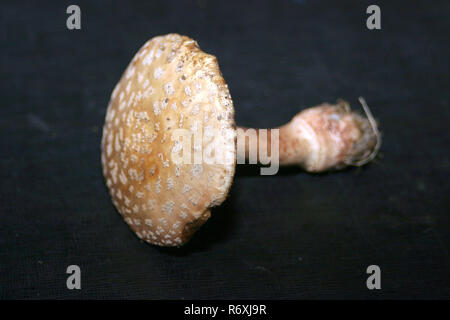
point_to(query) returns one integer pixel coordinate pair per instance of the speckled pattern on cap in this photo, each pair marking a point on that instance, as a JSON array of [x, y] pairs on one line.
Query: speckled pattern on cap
[[169, 84]]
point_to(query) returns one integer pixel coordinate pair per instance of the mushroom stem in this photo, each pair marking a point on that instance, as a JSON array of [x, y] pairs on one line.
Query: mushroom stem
[[319, 138]]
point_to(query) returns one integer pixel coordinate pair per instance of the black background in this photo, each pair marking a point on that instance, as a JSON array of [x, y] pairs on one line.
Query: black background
[[293, 235]]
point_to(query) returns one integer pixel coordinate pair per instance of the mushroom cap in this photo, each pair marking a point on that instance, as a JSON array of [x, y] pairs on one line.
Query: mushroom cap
[[170, 84]]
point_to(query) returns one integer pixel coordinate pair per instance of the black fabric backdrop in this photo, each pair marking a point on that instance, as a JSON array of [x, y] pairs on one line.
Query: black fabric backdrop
[[293, 235]]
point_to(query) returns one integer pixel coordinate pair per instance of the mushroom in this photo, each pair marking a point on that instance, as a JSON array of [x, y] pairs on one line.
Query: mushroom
[[171, 88]]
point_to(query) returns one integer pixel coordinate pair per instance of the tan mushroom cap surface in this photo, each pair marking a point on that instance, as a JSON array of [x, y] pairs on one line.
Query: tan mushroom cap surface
[[170, 84]]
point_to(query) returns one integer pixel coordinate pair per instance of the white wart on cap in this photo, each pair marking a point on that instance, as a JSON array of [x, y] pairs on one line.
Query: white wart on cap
[[170, 84]]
